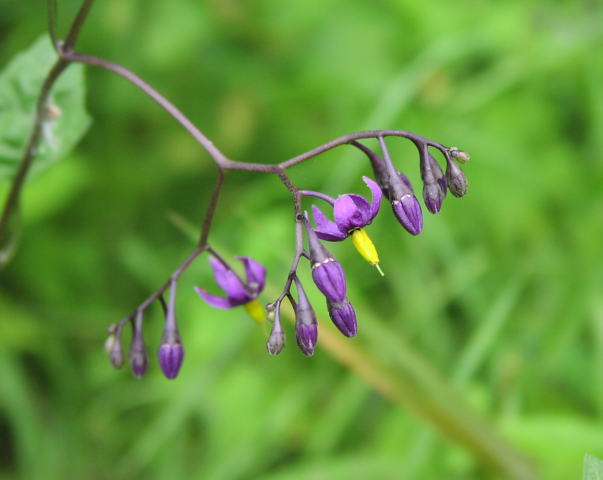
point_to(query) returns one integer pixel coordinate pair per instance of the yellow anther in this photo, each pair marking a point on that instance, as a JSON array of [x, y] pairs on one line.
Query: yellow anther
[[366, 248], [255, 310]]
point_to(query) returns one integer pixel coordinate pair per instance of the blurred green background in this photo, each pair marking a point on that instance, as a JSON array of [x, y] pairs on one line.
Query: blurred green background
[[481, 347]]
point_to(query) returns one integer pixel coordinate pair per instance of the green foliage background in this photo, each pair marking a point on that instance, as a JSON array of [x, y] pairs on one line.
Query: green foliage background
[[499, 299]]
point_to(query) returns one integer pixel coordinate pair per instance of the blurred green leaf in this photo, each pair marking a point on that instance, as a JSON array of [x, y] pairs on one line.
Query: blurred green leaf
[[593, 468], [20, 84]]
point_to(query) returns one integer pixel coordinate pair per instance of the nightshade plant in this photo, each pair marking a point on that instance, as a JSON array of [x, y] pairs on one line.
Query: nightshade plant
[[351, 212]]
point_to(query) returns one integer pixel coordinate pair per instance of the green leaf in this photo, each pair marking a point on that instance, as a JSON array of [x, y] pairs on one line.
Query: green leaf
[[593, 468], [20, 84]]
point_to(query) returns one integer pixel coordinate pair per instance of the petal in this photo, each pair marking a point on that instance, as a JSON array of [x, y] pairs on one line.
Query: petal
[[376, 195], [351, 211], [255, 273], [325, 228], [229, 281], [214, 301]]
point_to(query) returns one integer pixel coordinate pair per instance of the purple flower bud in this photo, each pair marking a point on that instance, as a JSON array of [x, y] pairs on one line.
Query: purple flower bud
[[139, 359], [434, 185], [398, 189], [276, 340], [171, 354], [455, 179], [438, 174], [343, 316], [432, 195], [327, 272], [330, 279], [408, 212], [306, 331]]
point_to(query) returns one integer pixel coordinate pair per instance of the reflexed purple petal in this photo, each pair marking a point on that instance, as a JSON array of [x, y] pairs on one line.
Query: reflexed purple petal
[[306, 336], [330, 280], [229, 282], [170, 359], [376, 195], [343, 316], [325, 228], [217, 302], [351, 211], [255, 273], [408, 212]]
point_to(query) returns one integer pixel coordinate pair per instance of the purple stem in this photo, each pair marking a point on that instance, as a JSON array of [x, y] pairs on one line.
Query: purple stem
[[322, 196]]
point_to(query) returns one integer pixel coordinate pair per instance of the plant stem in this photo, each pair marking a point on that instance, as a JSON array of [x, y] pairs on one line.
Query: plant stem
[[12, 201], [217, 156]]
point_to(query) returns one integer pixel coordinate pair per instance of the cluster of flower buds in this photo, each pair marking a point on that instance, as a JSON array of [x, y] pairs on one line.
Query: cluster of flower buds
[[352, 213], [170, 353]]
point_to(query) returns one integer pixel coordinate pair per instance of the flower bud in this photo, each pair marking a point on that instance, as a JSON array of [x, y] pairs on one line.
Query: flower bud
[[433, 197], [330, 279], [139, 361], [327, 272], [139, 358], [343, 316], [408, 212], [116, 354], [171, 353], [434, 189], [455, 179], [276, 340], [306, 331], [438, 174], [398, 189]]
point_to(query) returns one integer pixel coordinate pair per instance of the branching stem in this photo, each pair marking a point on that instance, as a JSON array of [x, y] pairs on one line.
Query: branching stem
[[67, 55]]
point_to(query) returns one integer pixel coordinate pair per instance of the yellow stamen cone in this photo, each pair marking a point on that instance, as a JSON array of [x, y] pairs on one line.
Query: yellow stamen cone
[[255, 310], [366, 248]]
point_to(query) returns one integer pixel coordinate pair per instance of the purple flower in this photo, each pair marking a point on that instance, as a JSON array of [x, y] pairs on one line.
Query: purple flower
[[351, 212], [327, 272], [306, 328], [237, 292], [343, 316]]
